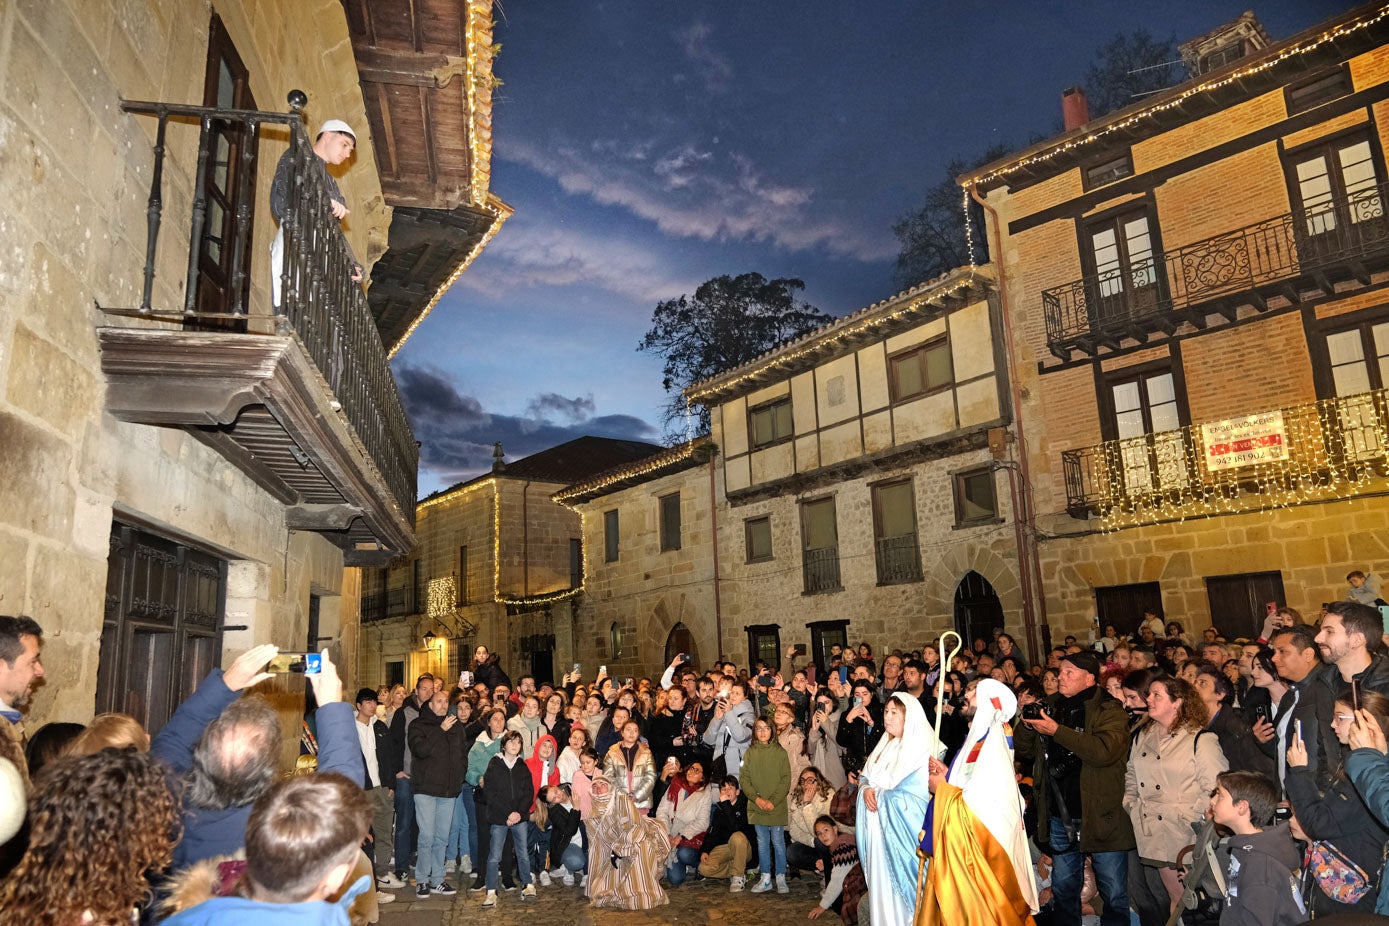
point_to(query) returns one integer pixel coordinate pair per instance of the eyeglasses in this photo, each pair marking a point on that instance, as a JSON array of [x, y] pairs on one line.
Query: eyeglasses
[[1350, 717], [805, 778]]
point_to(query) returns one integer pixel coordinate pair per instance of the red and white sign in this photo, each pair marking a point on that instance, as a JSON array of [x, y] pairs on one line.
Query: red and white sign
[[1245, 441]]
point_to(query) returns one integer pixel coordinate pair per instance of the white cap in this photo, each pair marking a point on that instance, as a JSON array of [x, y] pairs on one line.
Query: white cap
[[337, 125]]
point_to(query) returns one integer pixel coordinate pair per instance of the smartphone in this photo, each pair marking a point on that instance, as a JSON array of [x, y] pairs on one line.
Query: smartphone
[[1299, 729], [1271, 608], [1282, 814], [1355, 693], [1261, 713], [467, 679], [857, 701], [296, 664], [602, 671], [843, 675], [574, 669], [630, 682], [798, 649]]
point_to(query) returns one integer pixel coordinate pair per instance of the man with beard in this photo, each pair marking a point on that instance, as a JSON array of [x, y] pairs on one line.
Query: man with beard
[[20, 669], [1078, 790], [697, 716], [1349, 633], [914, 683]]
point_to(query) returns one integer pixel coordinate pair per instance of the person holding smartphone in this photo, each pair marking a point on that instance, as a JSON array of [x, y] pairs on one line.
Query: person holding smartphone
[[862, 724]]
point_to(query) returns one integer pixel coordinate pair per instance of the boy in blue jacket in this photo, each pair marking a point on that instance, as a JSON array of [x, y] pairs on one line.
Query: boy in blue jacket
[[303, 839]]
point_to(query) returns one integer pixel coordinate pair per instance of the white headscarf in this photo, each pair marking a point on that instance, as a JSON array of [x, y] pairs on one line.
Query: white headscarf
[[894, 758]]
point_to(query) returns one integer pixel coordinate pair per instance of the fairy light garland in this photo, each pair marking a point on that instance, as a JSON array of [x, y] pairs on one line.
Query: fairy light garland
[[479, 141], [500, 212], [828, 337], [1287, 53], [633, 471], [969, 227], [1337, 449]]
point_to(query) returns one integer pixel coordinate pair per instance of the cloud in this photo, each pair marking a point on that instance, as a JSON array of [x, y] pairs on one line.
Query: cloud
[[527, 255], [575, 410], [693, 192], [713, 67], [456, 434]]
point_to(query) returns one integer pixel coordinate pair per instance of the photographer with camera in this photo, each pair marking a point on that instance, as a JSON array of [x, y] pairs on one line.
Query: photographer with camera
[[730, 730], [1079, 790]]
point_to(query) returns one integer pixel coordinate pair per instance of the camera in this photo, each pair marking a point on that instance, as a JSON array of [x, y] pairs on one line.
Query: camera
[[766, 681], [1032, 711]]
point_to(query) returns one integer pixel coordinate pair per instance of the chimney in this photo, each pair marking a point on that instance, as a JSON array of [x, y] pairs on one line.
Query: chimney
[[1074, 110]]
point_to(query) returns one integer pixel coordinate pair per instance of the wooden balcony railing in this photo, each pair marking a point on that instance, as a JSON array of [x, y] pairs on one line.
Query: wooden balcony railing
[[1214, 277], [1315, 452], [821, 570], [899, 559]]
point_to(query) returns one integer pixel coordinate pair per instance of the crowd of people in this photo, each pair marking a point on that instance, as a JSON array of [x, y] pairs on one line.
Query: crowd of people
[[1126, 751]]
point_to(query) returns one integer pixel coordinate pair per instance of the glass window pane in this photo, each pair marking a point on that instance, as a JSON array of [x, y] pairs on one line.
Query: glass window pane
[[820, 531], [1161, 389], [1381, 338], [1165, 417], [782, 423], [759, 538], [1352, 379], [1346, 347], [1130, 424], [938, 367], [977, 497], [906, 372], [896, 513], [1126, 397]]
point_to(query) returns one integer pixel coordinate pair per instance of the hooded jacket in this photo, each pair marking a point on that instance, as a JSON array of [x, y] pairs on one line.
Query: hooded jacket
[[1261, 881], [439, 762], [539, 777], [766, 773]]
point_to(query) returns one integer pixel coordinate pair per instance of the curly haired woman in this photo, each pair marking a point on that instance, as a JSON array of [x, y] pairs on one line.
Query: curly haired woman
[[97, 823]]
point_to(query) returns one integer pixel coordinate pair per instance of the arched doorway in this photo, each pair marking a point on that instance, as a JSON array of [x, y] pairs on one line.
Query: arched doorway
[[680, 640], [977, 608]]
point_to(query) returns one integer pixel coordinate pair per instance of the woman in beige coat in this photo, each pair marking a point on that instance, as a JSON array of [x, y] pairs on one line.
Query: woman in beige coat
[[1172, 769]]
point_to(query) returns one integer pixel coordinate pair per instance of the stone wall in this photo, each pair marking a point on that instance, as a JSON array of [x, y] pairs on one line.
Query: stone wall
[[74, 176]]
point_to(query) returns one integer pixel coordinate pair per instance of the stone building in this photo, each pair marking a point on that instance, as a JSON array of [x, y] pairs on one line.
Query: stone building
[[1195, 287], [189, 468], [855, 488], [498, 562], [649, 575]]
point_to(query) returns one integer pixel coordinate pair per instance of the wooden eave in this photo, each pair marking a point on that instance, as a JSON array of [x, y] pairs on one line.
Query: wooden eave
[[425, 69], [1111, 138], [260, 402], [675, 460], [877, 322]]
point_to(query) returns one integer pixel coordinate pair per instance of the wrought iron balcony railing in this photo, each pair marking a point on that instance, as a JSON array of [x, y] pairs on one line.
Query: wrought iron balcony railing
[[821, 569], [899, 559], [1214, 277], [321, 307], [1320, 451]]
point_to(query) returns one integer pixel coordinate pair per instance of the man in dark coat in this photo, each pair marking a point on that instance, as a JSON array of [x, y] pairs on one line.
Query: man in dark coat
[[1078, 789]]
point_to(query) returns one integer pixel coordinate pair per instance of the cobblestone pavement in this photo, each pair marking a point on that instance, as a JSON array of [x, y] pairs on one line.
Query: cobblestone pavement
[[691, 903]]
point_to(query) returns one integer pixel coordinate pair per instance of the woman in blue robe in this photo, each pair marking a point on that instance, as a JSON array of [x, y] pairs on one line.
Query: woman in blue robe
[[892, 800]]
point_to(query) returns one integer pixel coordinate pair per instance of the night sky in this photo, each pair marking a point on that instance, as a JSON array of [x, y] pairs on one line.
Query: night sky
[[649, 145]]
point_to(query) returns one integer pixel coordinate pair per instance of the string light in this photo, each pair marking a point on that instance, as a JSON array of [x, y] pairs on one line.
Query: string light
[[840, 330], [478, 41], [1291, 51], [701, 449], [500, 212], [969, 227], [458, 491], [1336, 449]]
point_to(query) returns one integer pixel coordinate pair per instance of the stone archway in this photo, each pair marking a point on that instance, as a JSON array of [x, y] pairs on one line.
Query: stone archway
[[681, 640], [977, 609], [944, 577], [668, 613]]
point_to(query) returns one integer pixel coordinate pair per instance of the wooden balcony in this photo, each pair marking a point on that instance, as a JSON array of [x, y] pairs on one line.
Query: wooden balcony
[[1292, 257], [1318, 452], [298, 396]]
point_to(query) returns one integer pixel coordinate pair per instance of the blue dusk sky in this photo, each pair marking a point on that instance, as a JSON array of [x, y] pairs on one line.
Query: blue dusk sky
[[650, 145]]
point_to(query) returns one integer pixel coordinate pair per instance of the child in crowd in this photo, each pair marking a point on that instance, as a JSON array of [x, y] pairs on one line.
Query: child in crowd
[[1261, 875], [582, 783], [844, 882], [302, 841], [1363, 588]]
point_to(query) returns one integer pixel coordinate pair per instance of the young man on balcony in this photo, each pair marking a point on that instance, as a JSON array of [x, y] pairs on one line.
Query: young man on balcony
[[333, 145]]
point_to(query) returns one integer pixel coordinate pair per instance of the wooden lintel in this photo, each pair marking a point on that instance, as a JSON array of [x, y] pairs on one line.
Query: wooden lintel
[[321, 517], [408, 68]]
